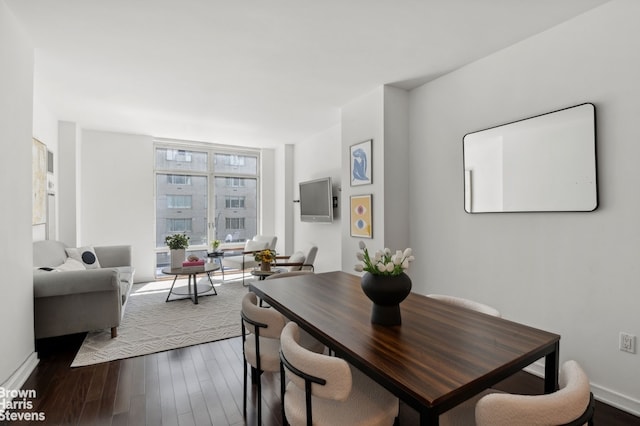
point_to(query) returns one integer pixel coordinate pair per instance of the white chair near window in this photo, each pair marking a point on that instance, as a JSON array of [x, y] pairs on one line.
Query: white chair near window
[[301, 260], [246, 259]]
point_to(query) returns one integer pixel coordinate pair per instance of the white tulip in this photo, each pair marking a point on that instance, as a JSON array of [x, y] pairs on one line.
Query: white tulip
[[381, 267], [360, 255], [359, 268], [397, 260], [362, 245], [390, 267], [405, 264], [387, 251], [378, 256], [407, 252]]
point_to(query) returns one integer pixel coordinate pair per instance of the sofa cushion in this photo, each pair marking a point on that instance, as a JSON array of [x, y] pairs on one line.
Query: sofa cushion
[[86, 255], [71, 264]]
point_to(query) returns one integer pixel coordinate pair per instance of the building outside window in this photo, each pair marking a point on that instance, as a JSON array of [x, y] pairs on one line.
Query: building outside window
[[205, 193]]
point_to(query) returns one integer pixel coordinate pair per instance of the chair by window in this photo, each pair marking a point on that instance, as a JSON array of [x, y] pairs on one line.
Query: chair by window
[[326, 390], [300, 260], [246, 260]]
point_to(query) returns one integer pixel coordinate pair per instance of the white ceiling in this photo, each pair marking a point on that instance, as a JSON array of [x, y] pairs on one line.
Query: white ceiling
[[255, 72]]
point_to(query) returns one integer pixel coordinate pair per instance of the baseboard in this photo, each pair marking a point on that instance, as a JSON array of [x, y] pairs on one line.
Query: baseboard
[[19, 377], [600, 393]]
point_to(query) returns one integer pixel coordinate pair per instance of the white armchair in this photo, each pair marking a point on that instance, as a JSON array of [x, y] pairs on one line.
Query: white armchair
[[246, 259]]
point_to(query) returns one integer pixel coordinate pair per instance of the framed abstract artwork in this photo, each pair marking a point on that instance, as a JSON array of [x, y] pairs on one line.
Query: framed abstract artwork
[[39, 182], [361, 216], [361, 165]]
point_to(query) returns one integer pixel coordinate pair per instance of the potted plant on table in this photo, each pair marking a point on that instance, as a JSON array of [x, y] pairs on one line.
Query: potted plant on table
[[385, 282], [177, 243], [266, 257]]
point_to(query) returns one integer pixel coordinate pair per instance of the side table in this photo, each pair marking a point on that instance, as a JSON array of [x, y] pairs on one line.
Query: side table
[[218, 256]]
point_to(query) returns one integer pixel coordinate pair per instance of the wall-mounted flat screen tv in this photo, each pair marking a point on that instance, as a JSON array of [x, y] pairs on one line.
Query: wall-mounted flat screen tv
[[316, 200], [542, 163]]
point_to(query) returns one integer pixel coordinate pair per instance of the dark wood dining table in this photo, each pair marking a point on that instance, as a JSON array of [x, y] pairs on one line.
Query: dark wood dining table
[[440, 356]]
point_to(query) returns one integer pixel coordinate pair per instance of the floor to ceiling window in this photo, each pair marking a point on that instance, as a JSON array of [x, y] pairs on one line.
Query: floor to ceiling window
[[206, 193]]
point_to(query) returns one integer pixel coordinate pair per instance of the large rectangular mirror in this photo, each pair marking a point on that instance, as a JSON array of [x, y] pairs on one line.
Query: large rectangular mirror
[[542, 163]]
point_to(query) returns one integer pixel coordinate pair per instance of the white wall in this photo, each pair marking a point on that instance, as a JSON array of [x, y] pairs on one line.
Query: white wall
[[17, 356], [283, 198], [45, 129], [575, 274], [383, 116], [314, 158], [117, 195]]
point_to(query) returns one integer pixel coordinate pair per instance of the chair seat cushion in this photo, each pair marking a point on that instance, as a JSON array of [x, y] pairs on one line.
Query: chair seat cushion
[[269, 353], [367, 404]]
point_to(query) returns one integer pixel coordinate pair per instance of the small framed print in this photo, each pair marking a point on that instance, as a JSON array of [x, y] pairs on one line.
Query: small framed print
[[361, 216], [361, 165]]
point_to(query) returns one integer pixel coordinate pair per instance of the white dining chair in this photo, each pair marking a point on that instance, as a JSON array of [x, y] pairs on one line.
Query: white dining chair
[[466, 303], [261, 329], [326, 390], [571, 405]]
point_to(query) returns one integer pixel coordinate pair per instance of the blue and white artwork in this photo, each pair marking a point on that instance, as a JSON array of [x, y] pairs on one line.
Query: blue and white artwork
[[361, 163]]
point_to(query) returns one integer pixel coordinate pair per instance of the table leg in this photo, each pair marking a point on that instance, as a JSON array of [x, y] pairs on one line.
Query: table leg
[[215, 292], [171, 289], [428, 418], [195, 288], [551, 367]]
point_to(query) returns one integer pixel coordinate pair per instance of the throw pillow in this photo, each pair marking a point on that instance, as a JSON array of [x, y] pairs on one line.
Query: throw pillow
[[86, 255], [297, 257], [71, 264]]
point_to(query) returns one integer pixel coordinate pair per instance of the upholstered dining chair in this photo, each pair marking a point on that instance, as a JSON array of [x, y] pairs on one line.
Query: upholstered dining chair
[[326, 390], [261, 329], [571, 405], [466, 303]]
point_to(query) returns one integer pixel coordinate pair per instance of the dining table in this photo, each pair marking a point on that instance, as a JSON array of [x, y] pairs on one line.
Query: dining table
[[438, 357]]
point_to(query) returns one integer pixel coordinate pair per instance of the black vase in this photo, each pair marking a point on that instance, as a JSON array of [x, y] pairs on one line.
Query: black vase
[[386, 292]]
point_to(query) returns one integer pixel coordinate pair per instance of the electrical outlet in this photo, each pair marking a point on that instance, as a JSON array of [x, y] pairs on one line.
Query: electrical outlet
[[627, 342]]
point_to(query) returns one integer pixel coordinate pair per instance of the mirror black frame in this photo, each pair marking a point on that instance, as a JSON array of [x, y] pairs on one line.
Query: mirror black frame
[[505, 157]]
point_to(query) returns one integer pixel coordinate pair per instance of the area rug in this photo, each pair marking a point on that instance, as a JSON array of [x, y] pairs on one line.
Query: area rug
[[151, 325]]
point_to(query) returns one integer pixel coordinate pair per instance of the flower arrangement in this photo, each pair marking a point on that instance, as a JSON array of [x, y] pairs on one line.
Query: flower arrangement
[[383, 261], [177, 241], [215, 244], [265, 256]]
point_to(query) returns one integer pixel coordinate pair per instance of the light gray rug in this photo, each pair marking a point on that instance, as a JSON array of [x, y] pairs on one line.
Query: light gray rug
[[151, 325]]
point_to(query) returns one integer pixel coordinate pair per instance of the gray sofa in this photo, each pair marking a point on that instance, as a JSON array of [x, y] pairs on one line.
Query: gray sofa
[[74, 301]]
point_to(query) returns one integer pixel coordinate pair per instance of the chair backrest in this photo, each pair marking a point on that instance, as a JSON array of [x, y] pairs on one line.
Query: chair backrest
[[271, 321], [333, 371], [466, 303], [312, 251], [271, 240], [562, 407]]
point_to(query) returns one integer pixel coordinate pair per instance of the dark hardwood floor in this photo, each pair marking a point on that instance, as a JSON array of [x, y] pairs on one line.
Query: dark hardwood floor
[[197, 385]]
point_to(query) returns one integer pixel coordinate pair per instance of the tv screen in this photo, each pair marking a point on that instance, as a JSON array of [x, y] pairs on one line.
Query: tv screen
[[316, 204]]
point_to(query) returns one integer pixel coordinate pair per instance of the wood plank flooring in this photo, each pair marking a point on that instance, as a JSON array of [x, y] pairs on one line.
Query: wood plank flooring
[[197, 385]]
